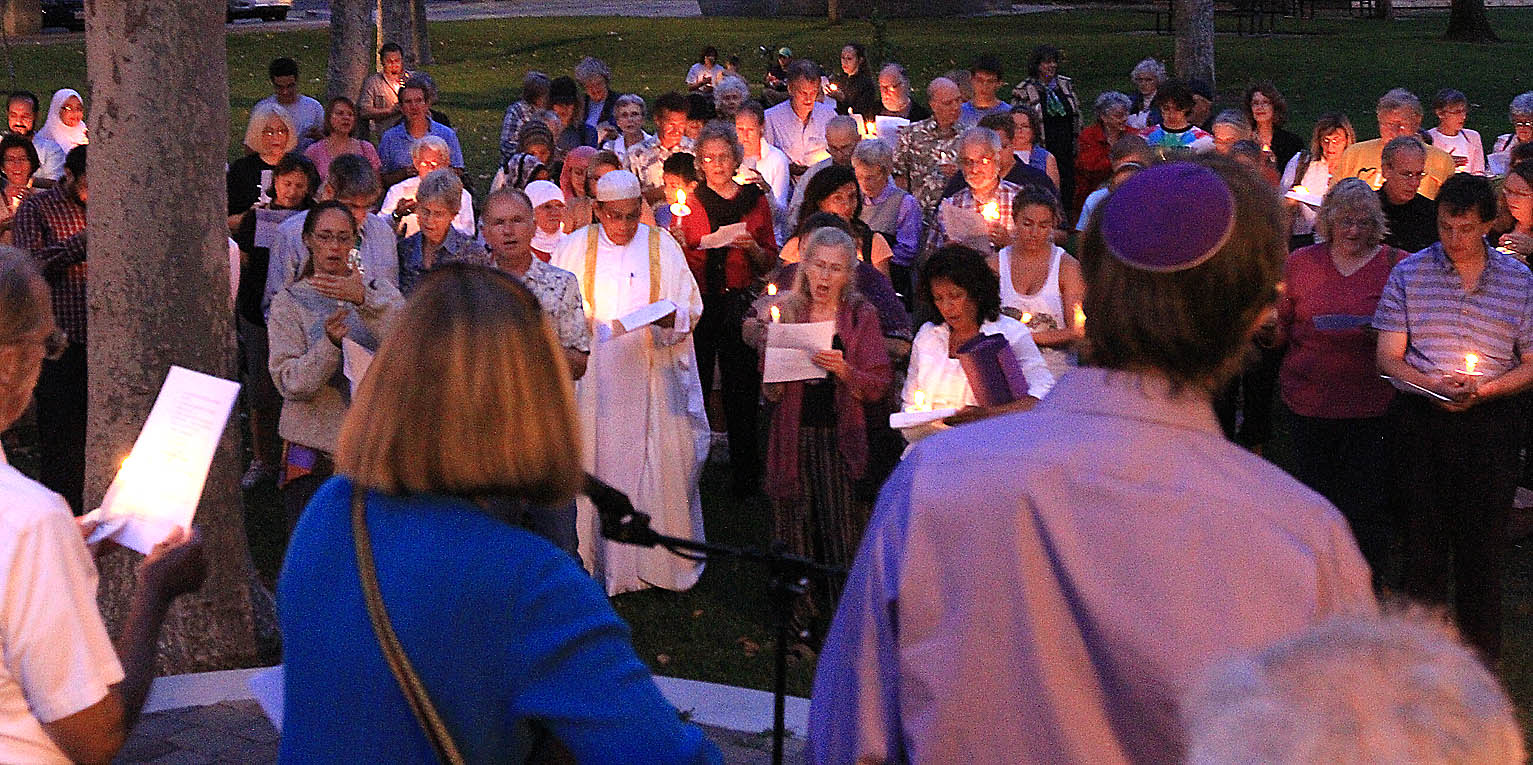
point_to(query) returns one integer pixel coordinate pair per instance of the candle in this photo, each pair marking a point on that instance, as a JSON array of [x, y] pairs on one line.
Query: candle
[[991, 210], [679, 207], [918, 402], [833, 87], [776, 314], [1080, 317], [1470, 361], [1027, 318], [872, 131], [772, 289]]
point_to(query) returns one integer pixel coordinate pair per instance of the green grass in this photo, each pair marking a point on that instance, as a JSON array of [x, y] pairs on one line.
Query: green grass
[[1335, 64]]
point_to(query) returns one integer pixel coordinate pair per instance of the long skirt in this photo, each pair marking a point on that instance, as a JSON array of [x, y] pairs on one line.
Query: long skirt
[[823, 523]]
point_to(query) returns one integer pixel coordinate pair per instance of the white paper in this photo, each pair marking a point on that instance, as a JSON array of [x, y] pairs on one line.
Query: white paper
[[724, 237], [267, 221], [266, 687], [639, 317], [966, 227], [903, 420], [1307, 197], [160, 483], [354, 362], [789, 348]]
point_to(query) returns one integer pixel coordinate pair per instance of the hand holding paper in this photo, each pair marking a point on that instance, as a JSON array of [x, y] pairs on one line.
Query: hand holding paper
[[653, 313], [726, 236], [791, 348]]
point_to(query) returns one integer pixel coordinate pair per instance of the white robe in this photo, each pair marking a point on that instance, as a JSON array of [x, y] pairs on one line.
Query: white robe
[[643, 427]]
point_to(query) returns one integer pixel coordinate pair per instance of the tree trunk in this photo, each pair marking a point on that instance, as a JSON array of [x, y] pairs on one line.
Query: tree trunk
[[404, 22], [1467, 22], [159, 291], [1195, 40], [1384, 10], [351, 47], [422, 41], [833, 11]]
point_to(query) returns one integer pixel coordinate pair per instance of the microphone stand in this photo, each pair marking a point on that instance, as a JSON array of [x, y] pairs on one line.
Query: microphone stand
[[790, 575]]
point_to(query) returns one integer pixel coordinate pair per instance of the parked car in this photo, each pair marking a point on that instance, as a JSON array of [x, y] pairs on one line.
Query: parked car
[[270, 10], [64, 13]]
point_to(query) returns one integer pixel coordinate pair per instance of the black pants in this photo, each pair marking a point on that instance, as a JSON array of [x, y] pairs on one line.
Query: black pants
[[297, 492], [717, 337], [1351, 463], [61, 408], [1459, 474]]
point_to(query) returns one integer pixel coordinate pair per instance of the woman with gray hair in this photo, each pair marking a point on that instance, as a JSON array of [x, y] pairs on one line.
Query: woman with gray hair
[[728, 95], [817, 443], [597, 101], [1093, 157], [1521, 114], [629, 116], [428, 154], [1147, 75], [1353, 689], [270, 134], [438, 200], [888, 210], [1330, 394]]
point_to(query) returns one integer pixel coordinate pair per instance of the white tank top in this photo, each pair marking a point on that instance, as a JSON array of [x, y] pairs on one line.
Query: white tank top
[[1044, 309]]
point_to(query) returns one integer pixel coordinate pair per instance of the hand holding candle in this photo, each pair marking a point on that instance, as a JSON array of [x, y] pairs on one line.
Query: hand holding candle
[[776, 315], [991, 211], [679, 207]]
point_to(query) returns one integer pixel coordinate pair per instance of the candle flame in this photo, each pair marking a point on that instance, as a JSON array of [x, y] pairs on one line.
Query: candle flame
[[992, 210], [776, 314], [1080, 317], [772, 289], [680, 208], [1470, 362], [872, 130], [918, 400], [1027, 318]]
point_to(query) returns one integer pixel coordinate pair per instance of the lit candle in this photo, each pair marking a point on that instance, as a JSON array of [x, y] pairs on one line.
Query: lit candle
[[918, 402], [1471, 360], [991, 210], [1080, 317], [872, 131], [1027, 318], [772, 289], [679, 207], [833, 87], [776, 314]]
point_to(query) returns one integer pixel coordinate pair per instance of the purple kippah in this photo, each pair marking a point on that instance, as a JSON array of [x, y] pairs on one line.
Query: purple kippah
[[1170, 217]]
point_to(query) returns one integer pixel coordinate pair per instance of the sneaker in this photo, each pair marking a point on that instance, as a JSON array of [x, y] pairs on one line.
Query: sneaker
[[257, 472]]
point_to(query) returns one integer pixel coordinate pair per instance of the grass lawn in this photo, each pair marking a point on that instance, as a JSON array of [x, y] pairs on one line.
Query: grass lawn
[[721, 630]]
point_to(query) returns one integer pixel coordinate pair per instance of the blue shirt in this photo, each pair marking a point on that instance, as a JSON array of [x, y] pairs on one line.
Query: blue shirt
[[394, 146], [501, 626], [1425, 298]]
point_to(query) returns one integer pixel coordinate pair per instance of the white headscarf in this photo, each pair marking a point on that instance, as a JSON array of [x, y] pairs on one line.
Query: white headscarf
[[55, 129]]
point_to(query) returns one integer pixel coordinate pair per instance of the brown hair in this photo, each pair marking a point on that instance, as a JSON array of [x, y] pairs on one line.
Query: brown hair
[[499, 417], [24, 305], [1193, 325]]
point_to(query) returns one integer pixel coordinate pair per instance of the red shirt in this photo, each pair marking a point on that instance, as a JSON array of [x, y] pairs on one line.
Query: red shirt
[[1329, 370], [737, 267]]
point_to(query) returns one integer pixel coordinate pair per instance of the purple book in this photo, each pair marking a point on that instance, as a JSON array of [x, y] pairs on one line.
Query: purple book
[[994, 373]]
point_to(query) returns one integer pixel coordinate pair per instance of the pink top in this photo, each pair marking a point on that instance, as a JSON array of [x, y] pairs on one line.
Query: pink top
[[1330, 369], [1044, 587], [320, 153]]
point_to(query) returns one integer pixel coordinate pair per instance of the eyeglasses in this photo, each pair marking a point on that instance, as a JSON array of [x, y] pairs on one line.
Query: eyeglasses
[[1356, 223], [709, 159], [54, 344], [977, 161], [1409, 175], [70, 108], [273, 132], [1522, 123], [827, 268]]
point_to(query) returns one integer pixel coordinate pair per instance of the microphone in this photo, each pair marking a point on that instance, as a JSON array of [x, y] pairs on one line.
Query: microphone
[[620, 522]]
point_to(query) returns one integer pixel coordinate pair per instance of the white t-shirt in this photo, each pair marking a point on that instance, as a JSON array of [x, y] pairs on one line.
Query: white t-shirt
[[405, 189], [307, 113], [1317, 178], [1089, 206], [58, 659]]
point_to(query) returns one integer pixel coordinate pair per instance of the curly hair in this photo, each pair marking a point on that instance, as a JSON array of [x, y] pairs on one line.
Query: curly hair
[[966, 268]]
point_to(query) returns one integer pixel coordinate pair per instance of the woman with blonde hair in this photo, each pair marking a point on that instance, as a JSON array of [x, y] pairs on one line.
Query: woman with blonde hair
[[817, 442], [508, 639], [270, 134]]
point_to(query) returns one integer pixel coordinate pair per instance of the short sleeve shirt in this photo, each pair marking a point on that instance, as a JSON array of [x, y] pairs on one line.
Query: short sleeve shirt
[[394, 147], [58, 659], [920, 148], [558, 292]]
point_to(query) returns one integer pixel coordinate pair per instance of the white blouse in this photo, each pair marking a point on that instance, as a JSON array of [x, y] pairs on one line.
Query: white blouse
[[941, 377]]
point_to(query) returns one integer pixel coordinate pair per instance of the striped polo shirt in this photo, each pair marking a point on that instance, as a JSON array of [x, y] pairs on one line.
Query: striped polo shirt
[[1425, 298]]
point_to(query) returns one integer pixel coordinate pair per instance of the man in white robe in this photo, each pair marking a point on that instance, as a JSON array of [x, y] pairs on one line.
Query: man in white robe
[[643, 427]]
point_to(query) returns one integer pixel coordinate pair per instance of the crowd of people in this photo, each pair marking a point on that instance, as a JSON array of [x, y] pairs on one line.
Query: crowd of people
[[1046, 578]]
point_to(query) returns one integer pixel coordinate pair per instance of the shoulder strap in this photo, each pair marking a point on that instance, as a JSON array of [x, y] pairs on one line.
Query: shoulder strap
[[394, 653], [588, 279], [654, 264]]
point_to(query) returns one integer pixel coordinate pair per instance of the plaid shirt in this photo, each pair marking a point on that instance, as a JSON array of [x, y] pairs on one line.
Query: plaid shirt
[[51, 226], [648, 160], [965, 201]]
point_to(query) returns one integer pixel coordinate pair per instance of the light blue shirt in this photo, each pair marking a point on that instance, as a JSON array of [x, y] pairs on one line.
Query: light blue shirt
[[380, 256], [797, 138], [394, 146]]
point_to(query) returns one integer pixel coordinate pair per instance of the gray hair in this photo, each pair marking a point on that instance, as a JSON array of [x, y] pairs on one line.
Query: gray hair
[[1399, 99], [1351, 195], [631, 99], [899, 71], [263, 113], [875, 152], [731, 84], [590, 68], [1149, 66], [1392, 688], [941, 82], [825, 238], [1233, 117], [1405, 143], [429, 141], [983, 136], [352, 176], [843, 124], [1110, 99], [718, 130], [1522, 104], [441, 186]]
